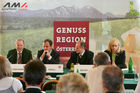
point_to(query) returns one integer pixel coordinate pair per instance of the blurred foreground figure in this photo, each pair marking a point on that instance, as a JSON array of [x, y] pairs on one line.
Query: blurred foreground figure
[[8, 84], [72, 83], [112, 79]]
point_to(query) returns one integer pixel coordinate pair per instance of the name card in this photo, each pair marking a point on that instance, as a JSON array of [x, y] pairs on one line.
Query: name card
[[54, 68], [50, 68], [82, 68], [17, 67], [126, 69]]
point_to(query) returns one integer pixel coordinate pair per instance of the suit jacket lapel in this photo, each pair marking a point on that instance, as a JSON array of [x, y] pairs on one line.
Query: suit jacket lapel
[[15, 56], [23, 55]]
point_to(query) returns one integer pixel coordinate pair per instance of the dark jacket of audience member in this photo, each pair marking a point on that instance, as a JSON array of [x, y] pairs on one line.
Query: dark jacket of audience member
[[34, 76]]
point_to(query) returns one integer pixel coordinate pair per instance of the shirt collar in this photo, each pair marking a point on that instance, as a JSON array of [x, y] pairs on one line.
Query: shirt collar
[[34, 87], [20, 52], [83, 53], [50, 51]]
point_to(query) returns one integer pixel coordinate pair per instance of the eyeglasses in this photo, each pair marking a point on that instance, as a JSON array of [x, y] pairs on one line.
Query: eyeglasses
[[114, 45]]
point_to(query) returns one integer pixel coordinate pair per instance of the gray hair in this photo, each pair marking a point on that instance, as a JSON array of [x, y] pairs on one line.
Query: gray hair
[[101, 58]]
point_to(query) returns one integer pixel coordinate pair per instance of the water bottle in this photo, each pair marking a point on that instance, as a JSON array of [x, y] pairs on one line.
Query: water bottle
[[72, 67], [77, 70], [130, 65]]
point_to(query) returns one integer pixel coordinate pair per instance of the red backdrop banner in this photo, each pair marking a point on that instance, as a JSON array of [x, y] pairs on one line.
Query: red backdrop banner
[[67, 33]]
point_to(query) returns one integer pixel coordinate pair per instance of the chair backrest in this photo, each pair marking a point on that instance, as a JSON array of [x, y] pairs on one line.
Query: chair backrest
[[49, 85], [23, 83]]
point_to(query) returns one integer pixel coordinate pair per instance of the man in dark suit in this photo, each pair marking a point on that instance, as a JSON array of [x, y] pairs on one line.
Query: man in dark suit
[[34, 76], [81, 55], [48, 55], [20, 55]]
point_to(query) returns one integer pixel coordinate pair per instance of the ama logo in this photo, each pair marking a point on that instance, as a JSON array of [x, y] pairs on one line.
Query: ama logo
[[15, 6]]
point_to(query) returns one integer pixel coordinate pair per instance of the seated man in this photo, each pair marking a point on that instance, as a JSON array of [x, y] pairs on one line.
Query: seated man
[[20, 55], [48, 55], [81, 55], [112, 77], [34, 76]]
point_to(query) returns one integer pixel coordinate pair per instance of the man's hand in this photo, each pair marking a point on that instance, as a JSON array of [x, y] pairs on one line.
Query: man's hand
[[42, 56], [48, 54]]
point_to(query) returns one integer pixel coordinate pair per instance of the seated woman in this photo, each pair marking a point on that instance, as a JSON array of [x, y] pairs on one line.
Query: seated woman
[[72, 83], [117, 55], [8, 84]]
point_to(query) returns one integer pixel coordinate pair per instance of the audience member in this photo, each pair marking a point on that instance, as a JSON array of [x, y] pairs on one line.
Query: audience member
[[8, 84], [34, 76], [137, 90], [81, 55], [72, 83], [20, 55], [48, 55], [94, 75], [117, 55], [112, 77]]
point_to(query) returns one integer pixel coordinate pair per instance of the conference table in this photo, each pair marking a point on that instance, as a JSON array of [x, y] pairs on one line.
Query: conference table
[[129, 81]]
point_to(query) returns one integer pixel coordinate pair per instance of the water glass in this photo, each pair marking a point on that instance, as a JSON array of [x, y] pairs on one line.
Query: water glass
[[136, 76]]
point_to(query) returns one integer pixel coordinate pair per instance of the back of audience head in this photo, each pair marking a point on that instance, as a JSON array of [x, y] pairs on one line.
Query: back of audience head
[[34, 72], [5, 68], [112, 77], [101, 58], [72, 83]]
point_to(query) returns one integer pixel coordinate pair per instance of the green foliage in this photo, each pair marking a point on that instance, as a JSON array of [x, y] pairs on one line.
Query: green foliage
[[133, 12], [131, 3]]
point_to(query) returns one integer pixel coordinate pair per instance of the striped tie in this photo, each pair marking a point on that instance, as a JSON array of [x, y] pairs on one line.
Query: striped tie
[[19, 58]]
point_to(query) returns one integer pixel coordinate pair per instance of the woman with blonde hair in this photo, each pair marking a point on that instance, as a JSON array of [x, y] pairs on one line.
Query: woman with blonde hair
[[117, 55], [72, 83], [8, 84]]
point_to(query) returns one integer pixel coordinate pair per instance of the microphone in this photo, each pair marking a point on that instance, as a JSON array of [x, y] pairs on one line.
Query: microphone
[[11, 56]]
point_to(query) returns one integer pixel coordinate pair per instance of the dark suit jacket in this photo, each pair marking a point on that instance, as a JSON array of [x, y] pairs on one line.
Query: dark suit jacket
[[119, 59], [86, 59], [32, 90], [26, 56], [54, 60]]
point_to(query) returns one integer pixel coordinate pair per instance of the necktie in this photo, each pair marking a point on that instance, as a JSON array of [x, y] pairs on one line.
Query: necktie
[[80, 56], [19, 58]]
